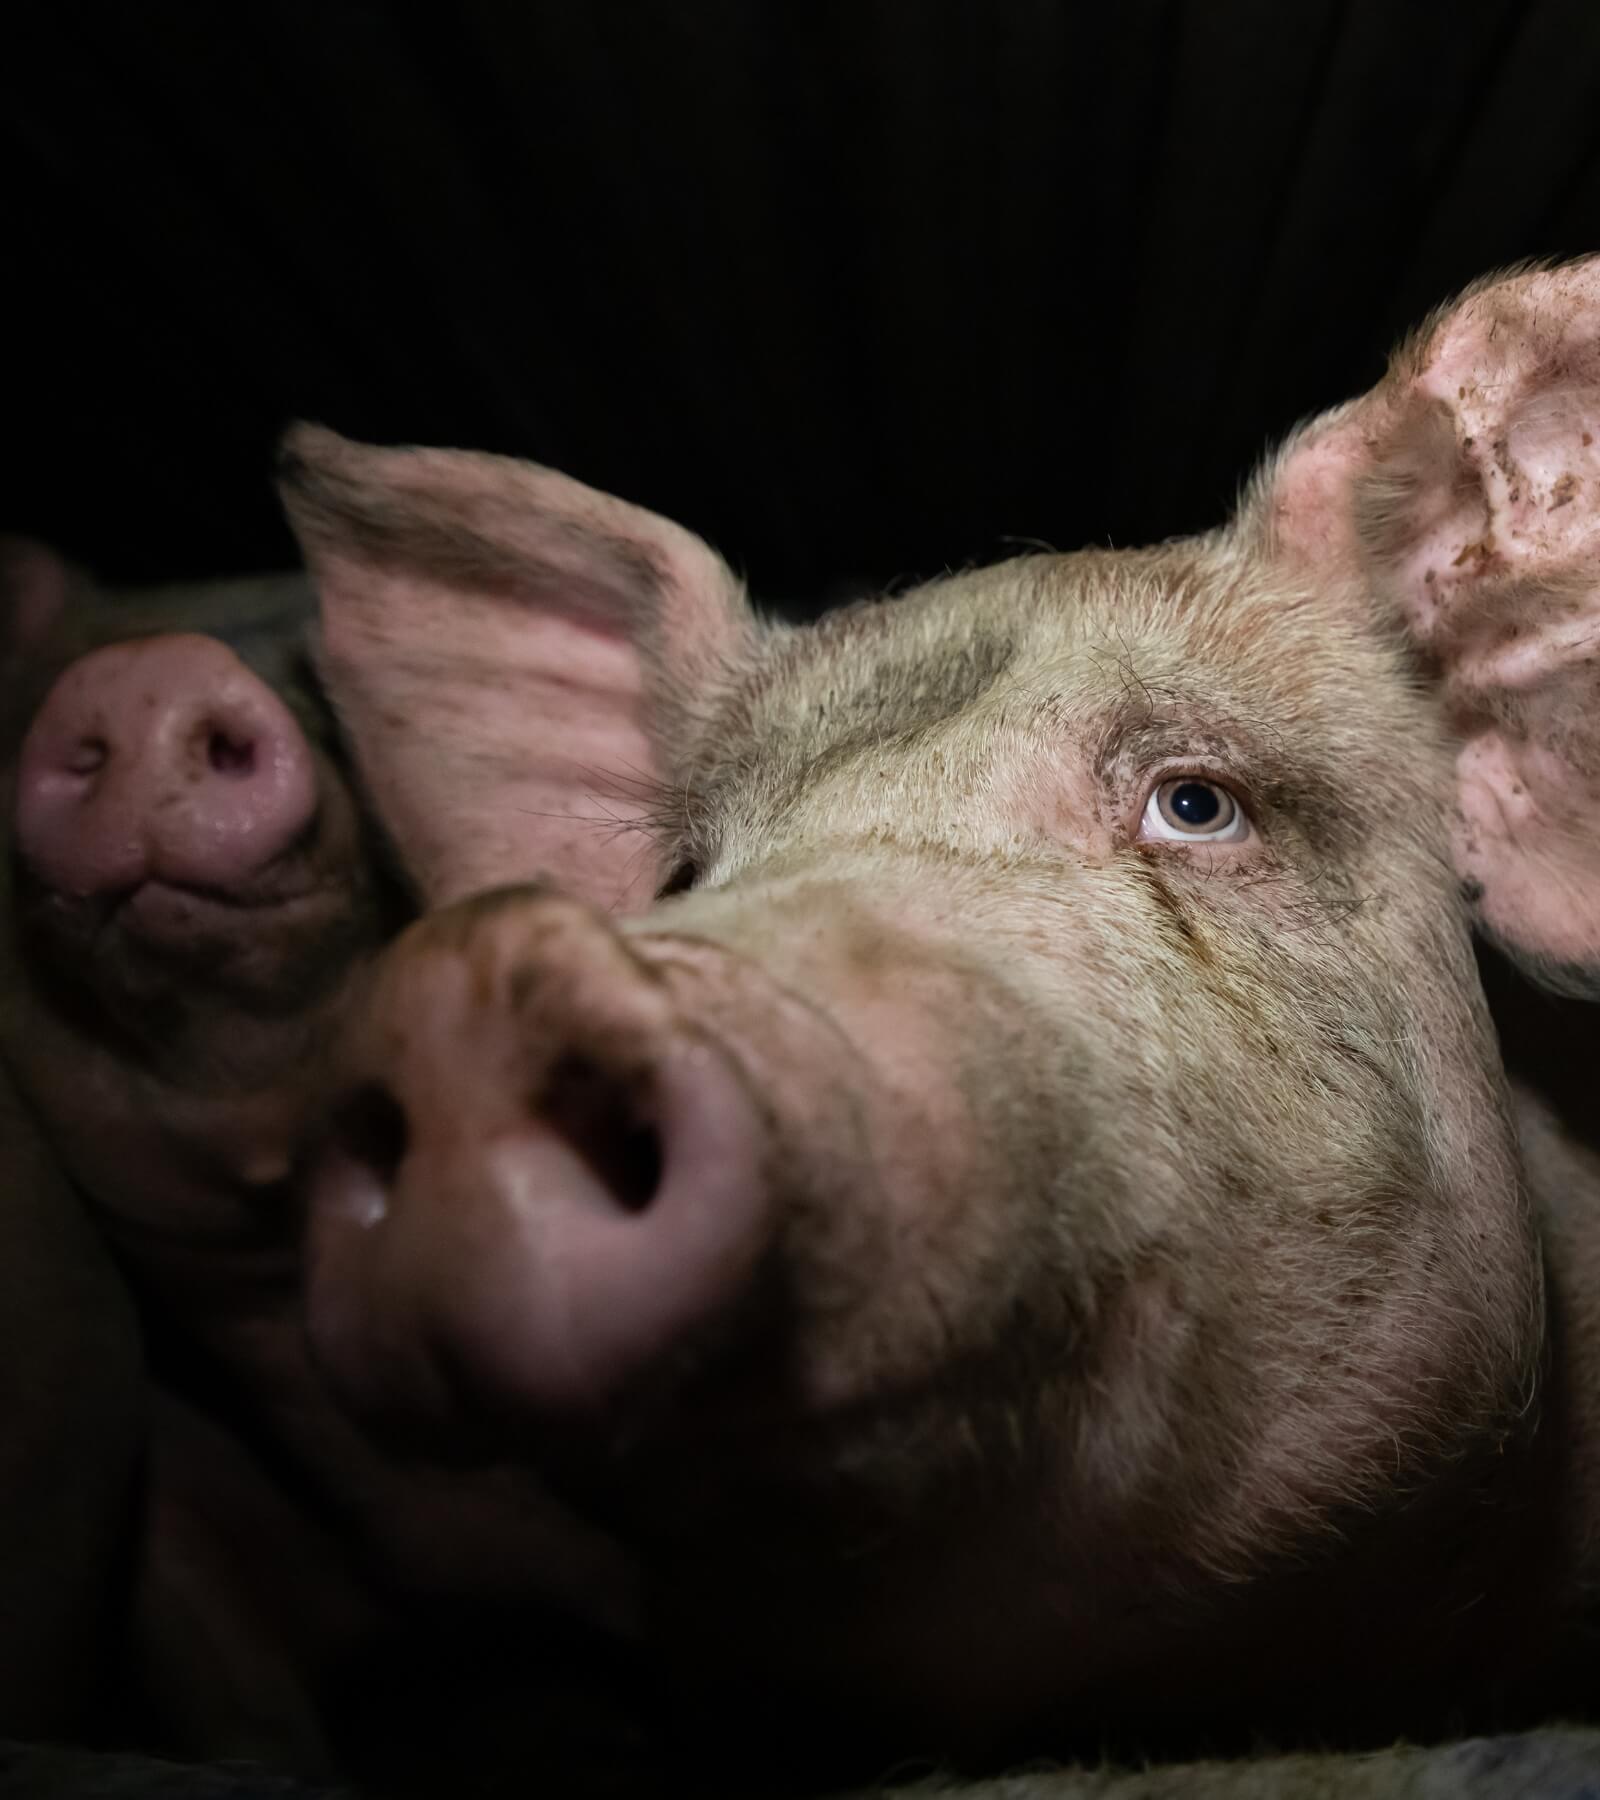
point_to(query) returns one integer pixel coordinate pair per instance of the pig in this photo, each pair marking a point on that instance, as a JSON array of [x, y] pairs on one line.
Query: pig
[[192, 882], [190, 879], [967, 1138], [230, 1567], [1068, 1417]]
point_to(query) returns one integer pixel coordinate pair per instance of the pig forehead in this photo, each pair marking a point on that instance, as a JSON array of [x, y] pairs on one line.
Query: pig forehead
[[1193, 624]]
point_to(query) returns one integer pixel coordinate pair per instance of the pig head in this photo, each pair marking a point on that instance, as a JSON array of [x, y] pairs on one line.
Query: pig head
[[190, 881], [968, 1135]]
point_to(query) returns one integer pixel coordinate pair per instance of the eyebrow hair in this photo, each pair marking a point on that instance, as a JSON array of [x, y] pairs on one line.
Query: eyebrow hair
[[1278, 779], [887, 690], [1197, 730]]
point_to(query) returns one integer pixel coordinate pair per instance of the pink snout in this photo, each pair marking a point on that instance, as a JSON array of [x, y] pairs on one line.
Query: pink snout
[[160, 760], [545, 1192]]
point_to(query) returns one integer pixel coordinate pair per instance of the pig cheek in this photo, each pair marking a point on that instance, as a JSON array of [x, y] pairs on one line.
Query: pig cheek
[[298, 952], [871, 1162], [1122, 1411], [893, 1267], [945, 1234]]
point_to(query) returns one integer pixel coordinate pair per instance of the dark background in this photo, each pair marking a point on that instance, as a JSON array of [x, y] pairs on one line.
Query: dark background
[[856, 289]]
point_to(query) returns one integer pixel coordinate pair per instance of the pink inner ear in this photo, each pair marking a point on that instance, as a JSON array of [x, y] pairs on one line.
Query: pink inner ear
[[1525, 839], [1465, 489], [510, 652], [1310, 519], [499, 741], [1493, 547], [1513, 508]]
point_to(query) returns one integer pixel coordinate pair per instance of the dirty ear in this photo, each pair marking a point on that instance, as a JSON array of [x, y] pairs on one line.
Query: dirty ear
[[1466, 490], [517, 659]]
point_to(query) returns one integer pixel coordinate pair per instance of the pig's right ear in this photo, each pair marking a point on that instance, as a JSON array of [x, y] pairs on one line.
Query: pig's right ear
[[1464, 491], [517, 659]]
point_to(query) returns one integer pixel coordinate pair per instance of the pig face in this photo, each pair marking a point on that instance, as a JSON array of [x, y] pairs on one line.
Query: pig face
[[968, 1134], [190, 882]]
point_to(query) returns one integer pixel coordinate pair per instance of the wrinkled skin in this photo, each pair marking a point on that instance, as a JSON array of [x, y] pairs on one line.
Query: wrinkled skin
[[998, 1256]]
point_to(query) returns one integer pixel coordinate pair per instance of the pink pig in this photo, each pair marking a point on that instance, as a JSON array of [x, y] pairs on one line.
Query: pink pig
[[967, 1137]]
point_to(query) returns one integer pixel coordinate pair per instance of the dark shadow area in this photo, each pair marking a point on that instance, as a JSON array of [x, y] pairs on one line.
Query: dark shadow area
[[855, 289]]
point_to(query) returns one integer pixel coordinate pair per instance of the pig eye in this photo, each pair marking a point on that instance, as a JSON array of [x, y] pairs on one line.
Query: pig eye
[[1188, 809]]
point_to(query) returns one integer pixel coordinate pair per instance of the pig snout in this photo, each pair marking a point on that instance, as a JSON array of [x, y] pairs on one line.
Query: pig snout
[[163, 759], [543, 1188]]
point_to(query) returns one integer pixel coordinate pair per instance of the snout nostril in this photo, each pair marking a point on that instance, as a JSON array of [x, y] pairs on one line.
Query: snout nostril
[[631, 1165], [602, 1116], [230, 755], [370, 1130], [88, 756]]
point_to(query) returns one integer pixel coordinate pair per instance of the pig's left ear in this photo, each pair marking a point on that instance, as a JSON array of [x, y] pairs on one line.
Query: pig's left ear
[[518, 660], [41, 603], [1465, 489]]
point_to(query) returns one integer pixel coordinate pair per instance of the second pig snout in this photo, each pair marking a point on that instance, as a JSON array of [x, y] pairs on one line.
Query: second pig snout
[[160, 759]]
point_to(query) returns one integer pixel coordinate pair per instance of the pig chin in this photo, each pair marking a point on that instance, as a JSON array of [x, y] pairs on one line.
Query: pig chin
[[273, 939], [127, 950]]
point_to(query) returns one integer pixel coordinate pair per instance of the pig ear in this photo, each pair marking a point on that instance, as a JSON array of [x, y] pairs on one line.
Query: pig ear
[[35, 587], [516, 658], [39, 592], [1466, 489]]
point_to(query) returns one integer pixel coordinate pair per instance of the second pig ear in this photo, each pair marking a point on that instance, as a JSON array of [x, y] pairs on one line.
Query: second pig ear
[[41, 601], [1465, 492], [516, 658], [35, 589]]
